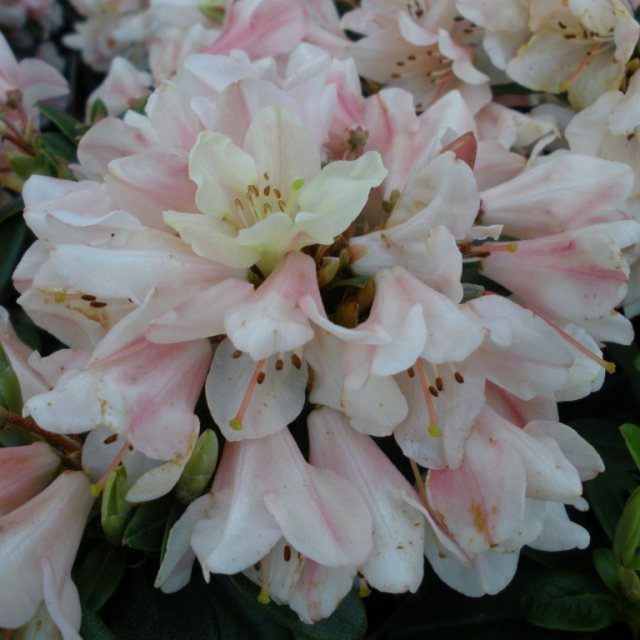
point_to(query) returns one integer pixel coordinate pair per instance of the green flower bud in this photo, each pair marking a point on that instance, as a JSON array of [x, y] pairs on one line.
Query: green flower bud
[[115, 510], [198, 471], [10, 395]]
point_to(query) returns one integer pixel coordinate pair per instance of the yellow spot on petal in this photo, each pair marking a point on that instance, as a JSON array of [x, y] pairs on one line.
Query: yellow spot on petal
[[479, 518]]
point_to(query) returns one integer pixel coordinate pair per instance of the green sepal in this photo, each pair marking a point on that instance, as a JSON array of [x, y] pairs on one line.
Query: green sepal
[[115, 510], [198, 471]]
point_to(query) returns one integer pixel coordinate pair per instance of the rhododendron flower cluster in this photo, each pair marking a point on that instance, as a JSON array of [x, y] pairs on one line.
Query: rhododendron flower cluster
[[337, 274]]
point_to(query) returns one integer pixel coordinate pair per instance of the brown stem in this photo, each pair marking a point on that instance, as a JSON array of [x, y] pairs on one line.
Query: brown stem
[[61, 441]]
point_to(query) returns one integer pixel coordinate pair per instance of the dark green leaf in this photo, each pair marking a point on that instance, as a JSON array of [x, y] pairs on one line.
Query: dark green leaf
[[569, 601], [73, 129], [99, 575], [138, 611], [13, 234], [605, 564], [608, 492], [357, 281], [199, 469], [348, 622], [11, 209], [93, 628], [59, 146], [626, 541], [146, 527], [631, 434]]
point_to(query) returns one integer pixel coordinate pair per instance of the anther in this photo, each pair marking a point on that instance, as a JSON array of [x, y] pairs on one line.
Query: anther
[[458, 377], [88, 297], [433, 391], [411, 372], [282, 205], [112, 438], [286, 553], [439, 384], [279, 364], [266, 190], [97, 305], [260, 378], [277, 193], [236, 354], [296, 361]]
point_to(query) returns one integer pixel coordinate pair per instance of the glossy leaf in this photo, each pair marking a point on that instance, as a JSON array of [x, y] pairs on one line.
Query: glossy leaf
[[569, 601], [146, 527], [99, 575]]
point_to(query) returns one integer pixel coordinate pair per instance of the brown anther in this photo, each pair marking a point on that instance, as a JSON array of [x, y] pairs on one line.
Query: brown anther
[[286, 553], [433, 391], [458, 377], [97, 305], [265, 175], [631, 136], [261, 376], [411, 57], [266, 190], [279, 364], [296, 361], [254, 190], [277, 193], [282, 205], [238, 204], [88, 297], [562, 25], [458, 19], [410, 372], [112, 438], [439, 384], [267, 209], [395, 76], [467, 31], [236, 354], [400, 63]]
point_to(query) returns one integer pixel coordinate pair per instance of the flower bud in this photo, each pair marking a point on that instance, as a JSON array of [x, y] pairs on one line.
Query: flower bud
[[114, 512], [199, 469], [10, 395]]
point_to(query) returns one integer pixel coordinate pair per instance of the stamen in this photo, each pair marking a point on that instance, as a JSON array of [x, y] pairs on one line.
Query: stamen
[[286, 553], [236, 354], [279, 363], [88, 297], [261, 376], [97, 305], [581, 67], [609, 367], [433, 428], [96, 489], [236, 422], [263, 596], [411, 372]]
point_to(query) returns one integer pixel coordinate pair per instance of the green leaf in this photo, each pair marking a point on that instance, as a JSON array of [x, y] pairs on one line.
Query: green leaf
[[11, 209], [569, 601], [607, 493], [631, 434], [73, 129], [146, 527], [605, 564], [59, 146], [26, 166], [348, 622], [99, 575], [626, 541], [93, 628], [13, 234]]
